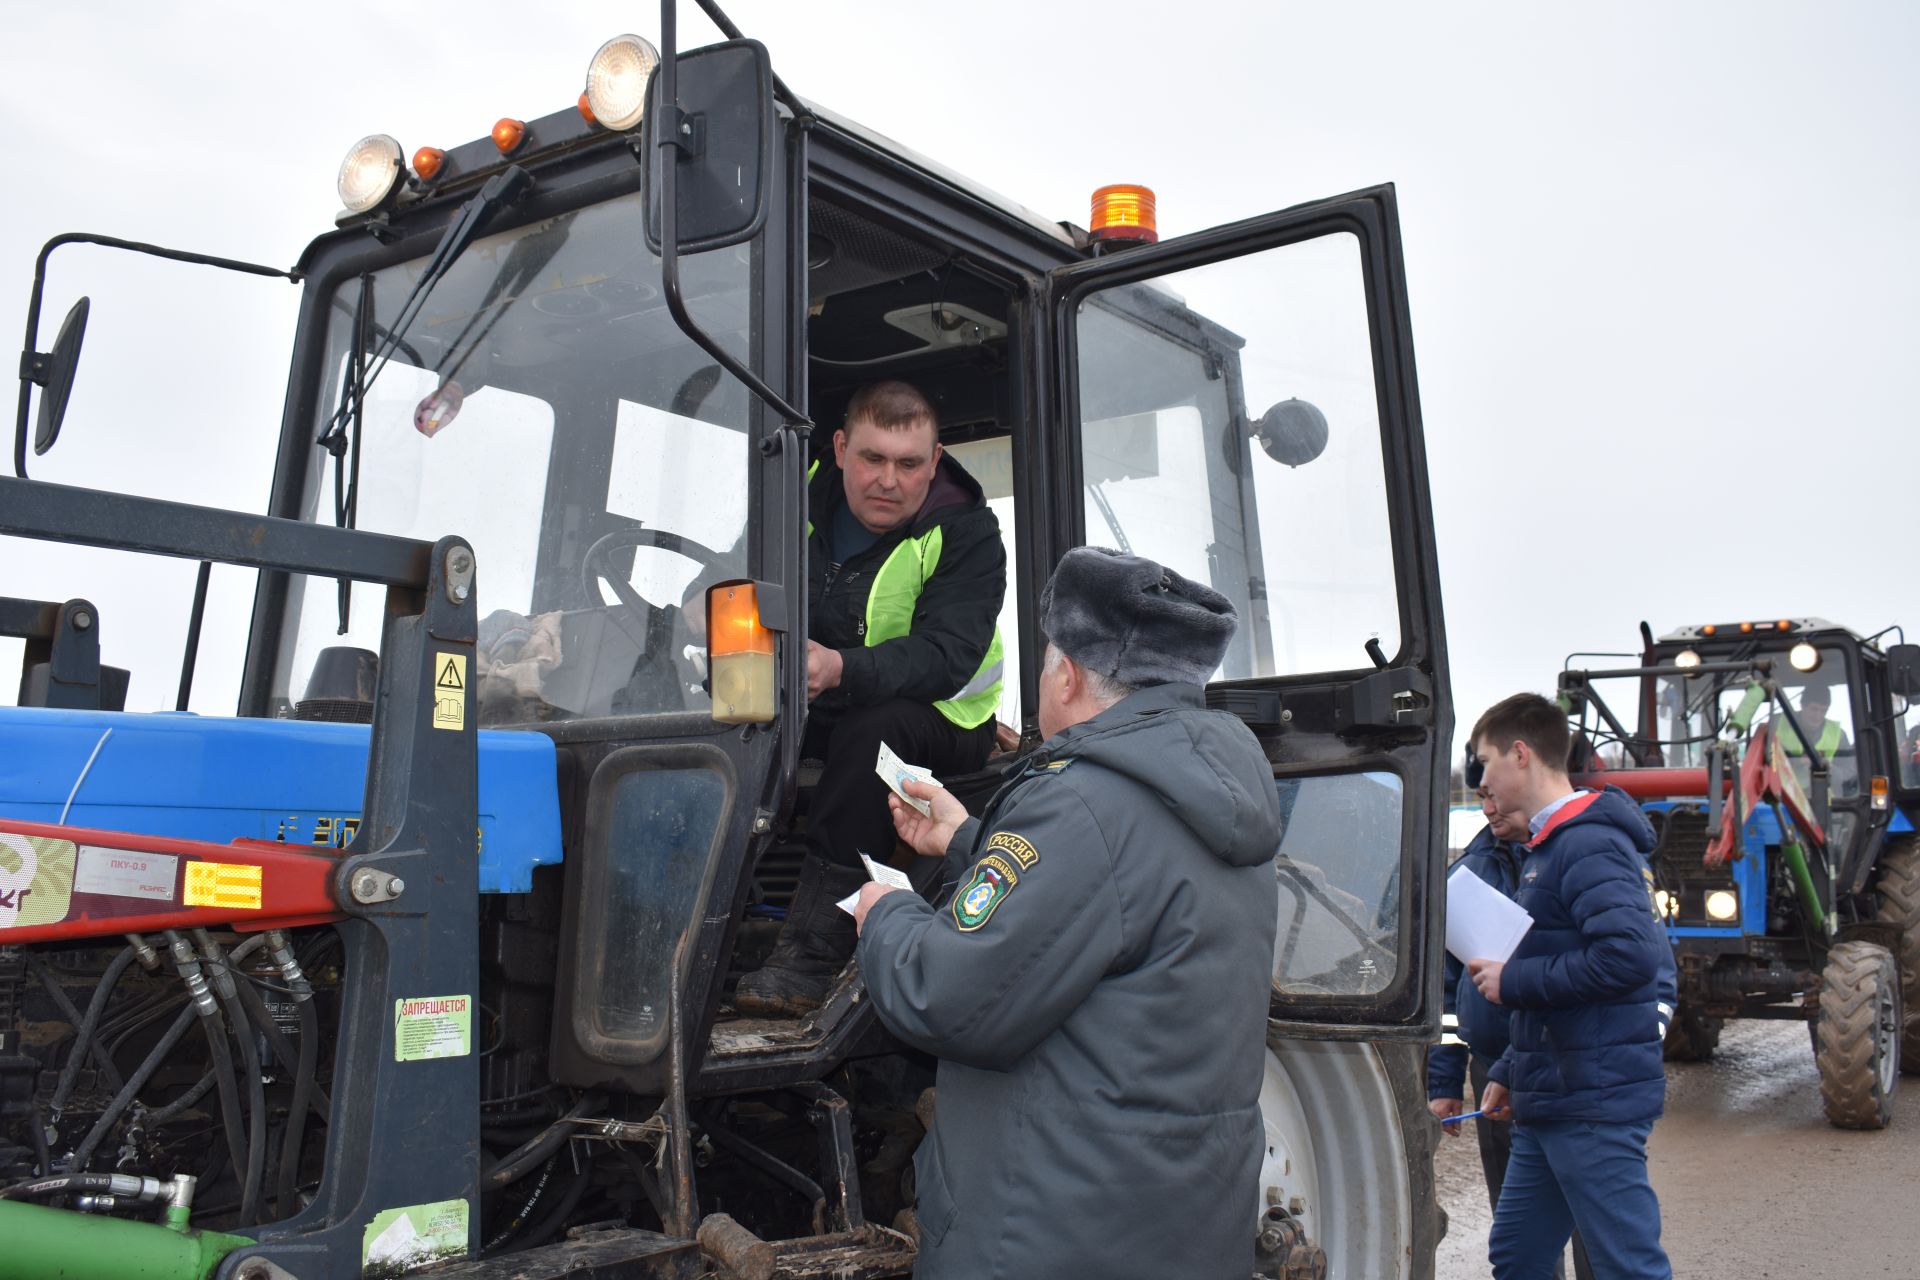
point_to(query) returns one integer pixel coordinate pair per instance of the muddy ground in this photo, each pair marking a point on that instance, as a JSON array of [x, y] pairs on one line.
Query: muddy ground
[[1753, 1182]]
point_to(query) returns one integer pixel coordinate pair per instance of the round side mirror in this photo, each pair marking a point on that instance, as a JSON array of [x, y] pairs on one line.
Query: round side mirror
[[61, 363], [1293, 433]]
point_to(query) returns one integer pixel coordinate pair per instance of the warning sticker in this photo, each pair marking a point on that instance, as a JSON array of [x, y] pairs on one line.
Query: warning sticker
[[426, 1027], [449, 691], [222, 884], [125, 873], [36, 880], [401, 1240]]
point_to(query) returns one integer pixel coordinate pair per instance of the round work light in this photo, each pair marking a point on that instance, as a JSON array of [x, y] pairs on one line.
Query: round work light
[[369, 173], [617, 81]]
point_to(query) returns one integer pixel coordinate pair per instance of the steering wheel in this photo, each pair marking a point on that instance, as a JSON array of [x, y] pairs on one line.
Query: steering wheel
[[645, 624]]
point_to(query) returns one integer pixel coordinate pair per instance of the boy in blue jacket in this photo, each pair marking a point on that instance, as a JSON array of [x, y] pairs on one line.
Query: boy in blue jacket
[[1474, 1031], [1582, 1075]]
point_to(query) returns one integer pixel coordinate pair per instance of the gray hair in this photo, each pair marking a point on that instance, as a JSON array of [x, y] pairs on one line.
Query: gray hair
[[1105, 690]]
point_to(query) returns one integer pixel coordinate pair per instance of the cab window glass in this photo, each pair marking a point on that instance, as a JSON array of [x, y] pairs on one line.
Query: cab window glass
[[1339, 882], [1229, 429]]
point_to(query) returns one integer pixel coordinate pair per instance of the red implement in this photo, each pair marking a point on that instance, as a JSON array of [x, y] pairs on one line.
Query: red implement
[[73, 882]]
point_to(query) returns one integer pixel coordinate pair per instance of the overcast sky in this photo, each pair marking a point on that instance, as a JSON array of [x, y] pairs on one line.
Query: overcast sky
[[1663, 259]]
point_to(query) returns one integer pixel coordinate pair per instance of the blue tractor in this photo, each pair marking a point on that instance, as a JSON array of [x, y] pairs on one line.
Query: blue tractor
[[1775, 761]]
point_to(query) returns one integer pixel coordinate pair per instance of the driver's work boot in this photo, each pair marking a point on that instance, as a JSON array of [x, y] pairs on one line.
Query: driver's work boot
[[814, 944]]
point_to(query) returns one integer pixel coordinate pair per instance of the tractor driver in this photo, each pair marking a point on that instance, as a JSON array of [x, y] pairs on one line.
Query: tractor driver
[[1829, 739], [906, 572]]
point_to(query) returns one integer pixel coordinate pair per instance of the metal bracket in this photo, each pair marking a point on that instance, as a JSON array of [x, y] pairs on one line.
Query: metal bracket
[[1393, 699]]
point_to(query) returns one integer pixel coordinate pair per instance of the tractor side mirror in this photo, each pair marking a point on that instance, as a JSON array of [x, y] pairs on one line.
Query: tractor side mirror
[[1903, 670], [1293, 432], [720, 137], [54, 373]]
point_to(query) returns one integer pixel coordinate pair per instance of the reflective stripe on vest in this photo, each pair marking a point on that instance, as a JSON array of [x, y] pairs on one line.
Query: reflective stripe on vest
[[1828, 743], [890, 602]]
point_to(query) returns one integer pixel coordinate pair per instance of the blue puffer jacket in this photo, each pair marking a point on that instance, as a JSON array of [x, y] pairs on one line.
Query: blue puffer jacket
[[1470, 1022], [1587, 985]]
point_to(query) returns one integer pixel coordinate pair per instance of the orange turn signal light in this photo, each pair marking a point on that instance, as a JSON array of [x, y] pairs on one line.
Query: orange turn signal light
[[427, 163], [1746, 628], [742, 679], [509, 133], [586, 109], [1709, 629], [1124, 212], [1879, 791], [1784, 624]]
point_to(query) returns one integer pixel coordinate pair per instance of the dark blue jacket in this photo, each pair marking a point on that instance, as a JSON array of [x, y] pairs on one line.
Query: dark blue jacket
[[1587, 985], [1469, 1021]]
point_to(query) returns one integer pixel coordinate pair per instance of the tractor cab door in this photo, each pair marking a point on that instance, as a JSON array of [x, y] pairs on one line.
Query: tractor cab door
[[1241, 406]]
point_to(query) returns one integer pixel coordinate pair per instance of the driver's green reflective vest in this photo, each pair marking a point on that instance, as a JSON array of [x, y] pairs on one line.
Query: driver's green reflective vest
[[896, 589], [1827, 743]]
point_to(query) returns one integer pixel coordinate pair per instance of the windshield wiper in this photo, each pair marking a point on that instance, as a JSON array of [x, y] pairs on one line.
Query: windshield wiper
[[341, 438]]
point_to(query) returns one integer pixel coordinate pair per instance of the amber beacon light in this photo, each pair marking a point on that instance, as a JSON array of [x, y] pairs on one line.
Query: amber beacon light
[[1124, 213], [740, 666]]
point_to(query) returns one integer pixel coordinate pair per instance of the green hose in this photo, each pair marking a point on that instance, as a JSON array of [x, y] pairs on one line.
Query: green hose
[[59, 1244]]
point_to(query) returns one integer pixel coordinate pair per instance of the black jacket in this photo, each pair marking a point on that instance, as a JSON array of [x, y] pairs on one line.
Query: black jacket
[[954, 617], [1097, 995], [1474, 1023]]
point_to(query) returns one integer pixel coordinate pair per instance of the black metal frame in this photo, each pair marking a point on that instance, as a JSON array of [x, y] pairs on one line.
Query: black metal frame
[[405, 1133], [1397, 717]]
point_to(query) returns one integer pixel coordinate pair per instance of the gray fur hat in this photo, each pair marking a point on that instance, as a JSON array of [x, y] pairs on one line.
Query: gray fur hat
[[1134, 620]]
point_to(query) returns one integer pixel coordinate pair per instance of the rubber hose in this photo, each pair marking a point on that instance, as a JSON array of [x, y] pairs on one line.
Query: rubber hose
[[287, 1187], [277, 1041], [543, 1144], [74, 1017], [551, 1225], [527, 1206], [256, 1121], [83, 1034], [140, 1076], [201, 1088], [232, 1122], [67, 1182]]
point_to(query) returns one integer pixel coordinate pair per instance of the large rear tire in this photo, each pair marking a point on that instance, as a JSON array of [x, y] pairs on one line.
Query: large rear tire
[[1692, 1036], [1857, 1040], [1899, 888]]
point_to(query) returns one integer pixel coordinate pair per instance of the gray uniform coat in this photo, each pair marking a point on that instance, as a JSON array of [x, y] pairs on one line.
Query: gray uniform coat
[[1096, 992]]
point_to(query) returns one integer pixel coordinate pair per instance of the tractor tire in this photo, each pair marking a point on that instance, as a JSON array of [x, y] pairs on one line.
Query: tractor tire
[[1899, 891], [1857, 1038], [1691, 1036]]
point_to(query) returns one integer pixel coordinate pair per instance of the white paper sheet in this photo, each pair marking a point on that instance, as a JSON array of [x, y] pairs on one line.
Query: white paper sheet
[[1482, 922], [876, 871]]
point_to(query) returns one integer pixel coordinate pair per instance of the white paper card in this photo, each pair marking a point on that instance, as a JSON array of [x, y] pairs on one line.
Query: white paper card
[[877, 871], [893, 771], [1482, 922]]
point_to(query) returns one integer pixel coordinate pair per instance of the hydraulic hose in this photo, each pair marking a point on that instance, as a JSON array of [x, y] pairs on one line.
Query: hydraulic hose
[[83, 1033], [73, 1015], [532, 1201], [550, 1226], [139, 1078], [57, 1185], [285, 1190], [232, 1122], [524, 1158], [200, 1089], [228, 993]]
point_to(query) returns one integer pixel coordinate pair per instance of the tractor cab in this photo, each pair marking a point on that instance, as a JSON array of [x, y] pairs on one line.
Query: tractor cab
[[1774, 761], [604, 349]]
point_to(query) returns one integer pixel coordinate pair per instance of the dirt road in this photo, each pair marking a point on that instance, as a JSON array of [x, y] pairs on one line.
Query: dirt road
[[1753, 1183]]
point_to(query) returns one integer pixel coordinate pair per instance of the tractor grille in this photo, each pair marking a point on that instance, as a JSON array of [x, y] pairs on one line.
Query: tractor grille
[[1679, 864]]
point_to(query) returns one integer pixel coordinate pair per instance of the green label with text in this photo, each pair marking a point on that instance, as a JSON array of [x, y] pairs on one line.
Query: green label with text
[[426, 1027]]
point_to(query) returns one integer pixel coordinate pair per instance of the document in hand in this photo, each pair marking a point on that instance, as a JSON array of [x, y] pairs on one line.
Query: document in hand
[[1482, 922]]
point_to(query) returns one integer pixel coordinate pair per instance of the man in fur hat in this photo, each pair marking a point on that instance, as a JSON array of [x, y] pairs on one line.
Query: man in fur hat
[[1096, 989]]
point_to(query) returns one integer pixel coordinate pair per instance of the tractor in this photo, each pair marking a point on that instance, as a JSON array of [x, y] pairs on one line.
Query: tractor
[[425, 956], [1774, 760]]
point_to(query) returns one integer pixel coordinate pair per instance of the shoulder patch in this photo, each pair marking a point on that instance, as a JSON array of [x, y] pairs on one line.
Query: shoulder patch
[[1019, 848], [991, 880]]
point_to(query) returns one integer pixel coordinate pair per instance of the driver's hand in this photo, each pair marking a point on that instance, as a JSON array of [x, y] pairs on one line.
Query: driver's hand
[[927, 836], [823, 669], [1446, 1109]]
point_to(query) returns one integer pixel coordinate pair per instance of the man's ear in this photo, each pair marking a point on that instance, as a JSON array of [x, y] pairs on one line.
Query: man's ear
[[840, 448], [1522, 753]]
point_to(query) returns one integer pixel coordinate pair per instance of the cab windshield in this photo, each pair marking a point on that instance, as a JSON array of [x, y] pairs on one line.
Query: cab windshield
[[1691, 710], [544, 406]]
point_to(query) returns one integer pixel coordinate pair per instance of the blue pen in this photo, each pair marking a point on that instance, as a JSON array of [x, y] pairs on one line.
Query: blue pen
[[1471, 1115]]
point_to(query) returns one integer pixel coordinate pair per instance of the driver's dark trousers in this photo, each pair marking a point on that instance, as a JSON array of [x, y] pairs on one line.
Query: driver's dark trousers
[[849, 813]]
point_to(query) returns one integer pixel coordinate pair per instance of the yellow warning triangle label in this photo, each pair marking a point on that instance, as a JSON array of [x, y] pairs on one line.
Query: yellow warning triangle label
[[449, 677]]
